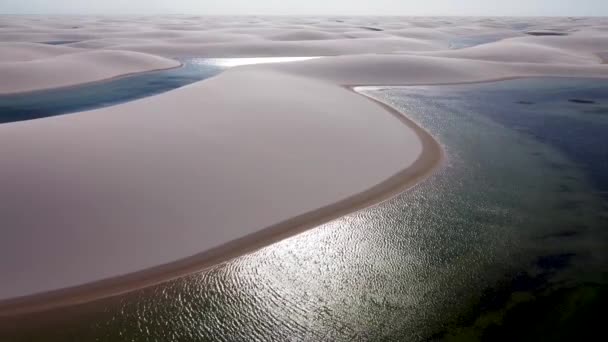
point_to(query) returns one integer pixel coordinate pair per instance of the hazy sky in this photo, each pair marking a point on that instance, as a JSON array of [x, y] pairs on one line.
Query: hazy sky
[[333, 7]]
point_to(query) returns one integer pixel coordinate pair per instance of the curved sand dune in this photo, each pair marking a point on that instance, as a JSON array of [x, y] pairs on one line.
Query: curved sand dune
[[269, 48], [407, 70], [222, 167], [304, 35], [22, 52], [580, 42], [76, 68], [108, 43], [41, 37], [172, 183], [519, 51], [420, 33]]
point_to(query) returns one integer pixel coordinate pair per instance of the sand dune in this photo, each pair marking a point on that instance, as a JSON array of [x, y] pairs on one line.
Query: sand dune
[[76, 68], [519, 51], [21, 52], [304, 35], [216, 163], [580, 42], [281, 48], [163, 179], [421, 33], [392, 69], [108, 43], [402, 69]]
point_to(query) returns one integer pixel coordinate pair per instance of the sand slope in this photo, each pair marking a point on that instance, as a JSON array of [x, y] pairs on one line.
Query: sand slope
[[76, 68]]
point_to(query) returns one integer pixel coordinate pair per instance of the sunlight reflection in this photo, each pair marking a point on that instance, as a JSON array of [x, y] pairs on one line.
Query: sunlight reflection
[[233, 62]]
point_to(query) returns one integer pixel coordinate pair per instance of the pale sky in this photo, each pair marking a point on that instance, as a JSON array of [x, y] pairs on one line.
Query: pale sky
[[316, 7]]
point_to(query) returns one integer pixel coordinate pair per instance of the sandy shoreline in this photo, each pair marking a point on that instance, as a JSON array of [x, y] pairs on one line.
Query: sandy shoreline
[[423, 167]]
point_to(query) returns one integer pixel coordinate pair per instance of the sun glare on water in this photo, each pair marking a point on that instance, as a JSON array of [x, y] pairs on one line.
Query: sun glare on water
[[234, 62]]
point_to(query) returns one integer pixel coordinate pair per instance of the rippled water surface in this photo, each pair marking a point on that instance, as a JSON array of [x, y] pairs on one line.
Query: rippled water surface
[[507, 241]]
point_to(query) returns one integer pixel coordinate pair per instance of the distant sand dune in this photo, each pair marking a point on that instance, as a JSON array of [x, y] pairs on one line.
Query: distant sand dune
[[109, 43], [282, 48], [76, 68], [22, 52], [304, 35], [187, 171], [581, 41]]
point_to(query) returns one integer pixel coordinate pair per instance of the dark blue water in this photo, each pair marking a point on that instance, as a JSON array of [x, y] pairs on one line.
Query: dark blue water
[[40, 104], [569, 114]]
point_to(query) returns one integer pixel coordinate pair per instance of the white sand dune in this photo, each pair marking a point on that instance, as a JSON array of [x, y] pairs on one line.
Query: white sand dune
[[365, 34], [269, 48], [108, 43], [42, 37], [421, 33], [577, 42], [215, 37], [21, 52], [519, 51], [404, 69], [304, 35], [76, 68], [146, 177], [216, 163]]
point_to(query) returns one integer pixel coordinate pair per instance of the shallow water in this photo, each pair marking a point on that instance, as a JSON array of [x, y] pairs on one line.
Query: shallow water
[[510, 232]]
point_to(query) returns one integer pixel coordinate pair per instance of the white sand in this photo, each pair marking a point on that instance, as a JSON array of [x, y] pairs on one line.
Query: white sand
[[74, 68], [113, 191], [253, 48], [22, 52], [134, 186], [520, 50]]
